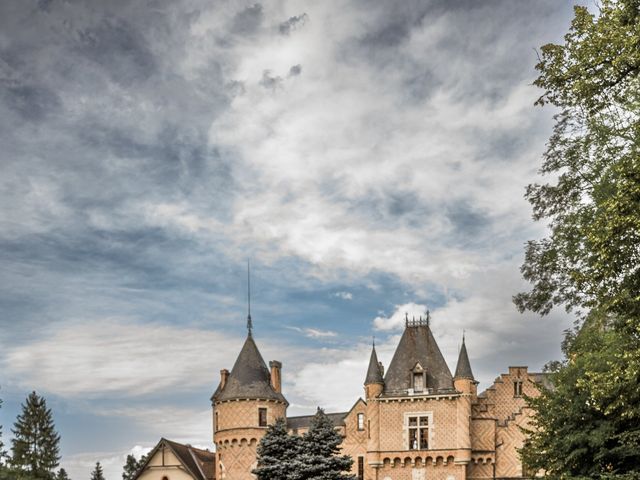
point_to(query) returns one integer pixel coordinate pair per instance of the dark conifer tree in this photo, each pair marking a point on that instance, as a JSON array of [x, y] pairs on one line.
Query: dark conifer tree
[[97, 473], [2, 450], [62, 475], [35, 446], [278, 453], [131, 467], [321, 459]]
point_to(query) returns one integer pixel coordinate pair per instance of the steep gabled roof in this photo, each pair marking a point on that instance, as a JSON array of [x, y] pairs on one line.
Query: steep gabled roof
[[200, 464], [417, 345], [249, 377], [374, 375], [463, 369]]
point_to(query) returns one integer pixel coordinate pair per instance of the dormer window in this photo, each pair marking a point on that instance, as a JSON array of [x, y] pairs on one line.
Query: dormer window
[[418, 382], [418, 378], [262, 417]]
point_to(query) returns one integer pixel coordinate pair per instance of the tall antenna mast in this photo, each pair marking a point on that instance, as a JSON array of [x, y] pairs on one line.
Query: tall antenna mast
[[249, 322]]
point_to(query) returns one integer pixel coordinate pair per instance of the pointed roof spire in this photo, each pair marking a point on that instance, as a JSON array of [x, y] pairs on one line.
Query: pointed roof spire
[[249, 321], [463, 369], [374, 375]]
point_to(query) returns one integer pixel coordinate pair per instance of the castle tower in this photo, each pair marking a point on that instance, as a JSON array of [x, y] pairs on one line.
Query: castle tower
[[373, 388], [247, 400], [465, 383]]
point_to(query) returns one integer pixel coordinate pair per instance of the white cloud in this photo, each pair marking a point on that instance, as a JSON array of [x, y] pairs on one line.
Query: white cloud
[[109, 355], [397, 319], [314, 332], [344, 295]]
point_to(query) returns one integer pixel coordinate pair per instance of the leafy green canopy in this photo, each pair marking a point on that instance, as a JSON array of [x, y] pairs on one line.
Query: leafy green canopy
[[35, 446], [132, 466], [592, 203], [588, 426]]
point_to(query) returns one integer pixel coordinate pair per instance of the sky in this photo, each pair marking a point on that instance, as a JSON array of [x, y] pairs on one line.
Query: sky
[[368, 157]]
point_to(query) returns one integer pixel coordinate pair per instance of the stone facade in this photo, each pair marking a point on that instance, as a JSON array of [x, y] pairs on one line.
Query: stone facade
[[430, 425]]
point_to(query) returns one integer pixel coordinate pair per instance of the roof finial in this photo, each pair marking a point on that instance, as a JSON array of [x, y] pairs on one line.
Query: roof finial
[[463, 331], [249, 322], [373, 341], [428, 317]]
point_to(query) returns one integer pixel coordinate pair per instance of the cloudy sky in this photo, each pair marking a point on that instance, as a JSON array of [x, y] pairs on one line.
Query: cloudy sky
[[369, 158]]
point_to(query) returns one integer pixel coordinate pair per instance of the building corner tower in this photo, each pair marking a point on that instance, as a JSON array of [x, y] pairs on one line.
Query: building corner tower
[[373, 388], [247, 400], [464, 383]]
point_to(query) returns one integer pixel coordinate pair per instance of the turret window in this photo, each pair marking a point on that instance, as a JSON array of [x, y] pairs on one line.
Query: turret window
[[262, 417]]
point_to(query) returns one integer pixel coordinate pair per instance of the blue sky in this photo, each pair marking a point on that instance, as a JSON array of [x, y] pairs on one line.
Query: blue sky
[[370, 159]]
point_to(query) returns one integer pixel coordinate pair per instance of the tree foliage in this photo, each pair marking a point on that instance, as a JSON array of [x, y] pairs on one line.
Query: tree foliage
[[132, 466], [62, 475], [588, 425], [321, 459], [35, 446], [591, 257], [97, 473], [314, 456], [278, 453]]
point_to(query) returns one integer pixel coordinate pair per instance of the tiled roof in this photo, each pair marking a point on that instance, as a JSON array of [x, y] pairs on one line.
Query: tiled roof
[[463, 369], [374, 375], [417, 345], [303, 421], [200, 464], [249, 377]]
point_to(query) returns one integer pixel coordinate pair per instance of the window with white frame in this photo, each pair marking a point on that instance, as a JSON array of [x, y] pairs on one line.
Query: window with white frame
[[361, 421], [418, 426]]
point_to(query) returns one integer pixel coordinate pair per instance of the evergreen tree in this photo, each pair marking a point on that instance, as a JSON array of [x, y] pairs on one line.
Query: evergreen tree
[[3, 453], [97, 473], [132, 466], [278, 453], [321, 459], [35, 446], [62, 475]]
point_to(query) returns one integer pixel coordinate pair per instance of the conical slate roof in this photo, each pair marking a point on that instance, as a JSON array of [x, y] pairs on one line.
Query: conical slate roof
[[249, 377], [374, 375], [463, 369], [417, 345]]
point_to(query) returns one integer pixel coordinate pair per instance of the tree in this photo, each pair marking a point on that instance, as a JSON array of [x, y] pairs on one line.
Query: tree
[[97, 473], [278, 453], [584, 432], [35, 446], [62, 475], [3, 453], [321, 459], [588, 425], [132, 466], [591, 257]]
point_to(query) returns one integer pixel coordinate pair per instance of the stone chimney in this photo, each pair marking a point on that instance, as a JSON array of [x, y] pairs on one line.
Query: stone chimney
[[224, 374], [276, 379]]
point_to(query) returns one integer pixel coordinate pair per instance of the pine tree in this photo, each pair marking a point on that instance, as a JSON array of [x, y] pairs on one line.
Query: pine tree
[[2, 450], [278, 453], [97, 473], [35, 446], [62, 475], [131, 467], [321, 459]]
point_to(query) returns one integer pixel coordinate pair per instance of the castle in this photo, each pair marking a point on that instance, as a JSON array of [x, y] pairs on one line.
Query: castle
[[416, 421]]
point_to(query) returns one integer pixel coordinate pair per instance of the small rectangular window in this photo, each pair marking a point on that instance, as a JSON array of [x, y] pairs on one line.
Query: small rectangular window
[[361, 421], [368, 428], [418, 432], [216, 427], [262, 417], [360, 468], [517, 388]]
